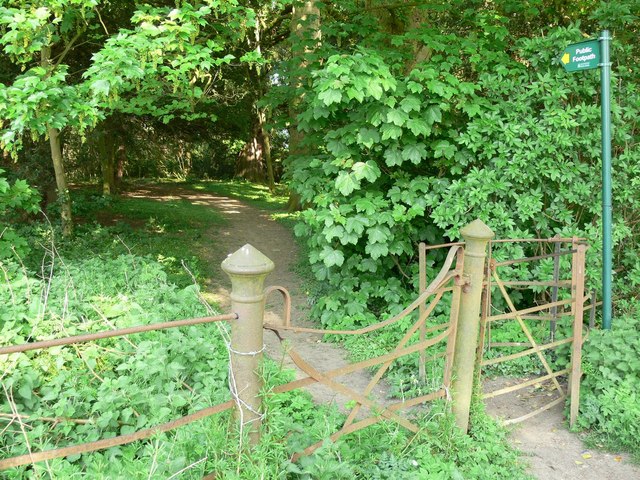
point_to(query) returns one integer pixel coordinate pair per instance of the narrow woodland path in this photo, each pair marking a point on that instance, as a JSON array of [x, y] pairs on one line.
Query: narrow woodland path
[[246, 224], [552, 452]]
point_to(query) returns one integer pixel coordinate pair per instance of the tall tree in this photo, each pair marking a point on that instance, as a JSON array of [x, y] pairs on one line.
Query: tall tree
[[43, 100]]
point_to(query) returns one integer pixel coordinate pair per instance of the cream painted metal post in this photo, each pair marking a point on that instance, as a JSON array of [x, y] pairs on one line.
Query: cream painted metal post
[[476, 236], [247, 269]]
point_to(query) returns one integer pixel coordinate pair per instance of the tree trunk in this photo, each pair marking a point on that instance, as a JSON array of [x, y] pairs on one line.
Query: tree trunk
[[108, 176], [56, 156], [266, 147], [105, 149], [260, 141], [107, 163], [121, 158], [61, 182], [250, 164], [108, 139], [305, 34]]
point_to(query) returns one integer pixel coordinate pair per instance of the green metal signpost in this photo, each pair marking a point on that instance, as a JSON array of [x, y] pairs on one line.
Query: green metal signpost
[[585, 56]]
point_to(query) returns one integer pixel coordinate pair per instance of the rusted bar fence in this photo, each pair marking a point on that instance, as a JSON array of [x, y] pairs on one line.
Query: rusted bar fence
[[470, 282], [42, 456], [247, 269], [575, 300], [120, 332]]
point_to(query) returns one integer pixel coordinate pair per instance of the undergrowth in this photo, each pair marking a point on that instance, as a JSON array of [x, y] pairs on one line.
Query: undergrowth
[[114, 276], [610, 398]]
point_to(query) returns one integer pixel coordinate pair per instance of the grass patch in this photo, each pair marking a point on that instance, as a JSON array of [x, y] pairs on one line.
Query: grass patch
[[170, 231], [255, 195], [172, 215], [168, 215]]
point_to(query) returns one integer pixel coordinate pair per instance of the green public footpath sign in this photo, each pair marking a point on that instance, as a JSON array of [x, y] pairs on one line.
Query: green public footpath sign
[[585, 56], [581, 56]]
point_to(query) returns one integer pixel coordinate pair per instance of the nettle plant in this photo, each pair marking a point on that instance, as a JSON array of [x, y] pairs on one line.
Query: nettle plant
[[609, 405], [16, 198], [396, 157]]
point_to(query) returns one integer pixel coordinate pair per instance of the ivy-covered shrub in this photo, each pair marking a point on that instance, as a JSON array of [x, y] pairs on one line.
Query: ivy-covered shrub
[[610, 391]]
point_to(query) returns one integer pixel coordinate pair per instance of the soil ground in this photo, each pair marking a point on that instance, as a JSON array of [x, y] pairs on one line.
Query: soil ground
[[552, 452], [550, 449]]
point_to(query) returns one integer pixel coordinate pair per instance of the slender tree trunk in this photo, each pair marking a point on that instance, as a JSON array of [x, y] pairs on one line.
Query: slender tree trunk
[[105, 147], [56, 156], [271, 181], [107, 163], [108, 176], [266, 148], [121, 158], [61, 182]]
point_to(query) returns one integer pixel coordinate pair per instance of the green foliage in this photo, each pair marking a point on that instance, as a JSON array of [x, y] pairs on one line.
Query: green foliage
[[118, 386], [440, 451], [399, 152], [42, 96], [165, 65], [14, 198], [162, 67], [388, 133], [609, 404]]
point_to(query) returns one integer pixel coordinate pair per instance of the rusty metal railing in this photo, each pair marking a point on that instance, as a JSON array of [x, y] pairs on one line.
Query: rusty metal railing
[[576, 300]]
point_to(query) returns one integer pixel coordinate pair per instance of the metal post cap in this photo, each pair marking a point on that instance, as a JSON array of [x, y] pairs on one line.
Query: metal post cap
[[247, 260], [477, 230]]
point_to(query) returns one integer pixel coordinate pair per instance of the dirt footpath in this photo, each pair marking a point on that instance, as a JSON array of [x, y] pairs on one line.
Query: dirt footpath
[[246, 224], [552, 452]]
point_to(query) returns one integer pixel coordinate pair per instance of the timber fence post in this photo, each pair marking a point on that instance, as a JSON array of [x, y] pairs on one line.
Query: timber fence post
[[247, 269], [476, 236]]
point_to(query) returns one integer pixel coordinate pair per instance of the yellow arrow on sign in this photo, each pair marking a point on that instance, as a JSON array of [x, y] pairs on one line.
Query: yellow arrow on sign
[[565, 58]]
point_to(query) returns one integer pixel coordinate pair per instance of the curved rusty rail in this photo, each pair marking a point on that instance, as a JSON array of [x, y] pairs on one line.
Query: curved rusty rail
[[287, 301], [441, 279], [113, 441]]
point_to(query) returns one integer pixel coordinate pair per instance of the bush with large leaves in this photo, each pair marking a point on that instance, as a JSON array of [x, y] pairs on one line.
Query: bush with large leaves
[[490, 128]]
